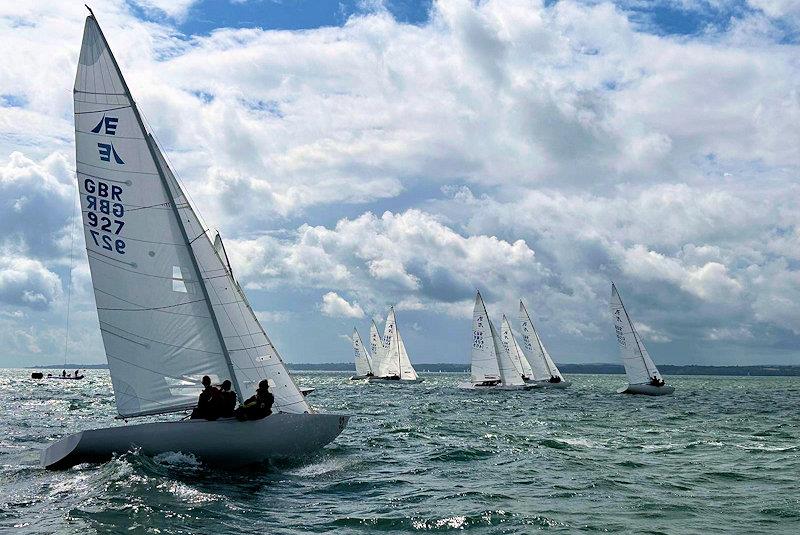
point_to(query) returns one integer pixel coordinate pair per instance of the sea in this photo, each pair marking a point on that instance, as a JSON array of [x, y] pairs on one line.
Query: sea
[[721, 455]]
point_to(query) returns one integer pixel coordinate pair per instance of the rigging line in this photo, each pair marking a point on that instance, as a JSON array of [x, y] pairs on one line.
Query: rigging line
[[159, 309], [148, 308], [97, 111], [69, 283]]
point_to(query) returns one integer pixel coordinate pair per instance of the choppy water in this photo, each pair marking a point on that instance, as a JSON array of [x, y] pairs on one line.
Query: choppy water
[[721, 455]]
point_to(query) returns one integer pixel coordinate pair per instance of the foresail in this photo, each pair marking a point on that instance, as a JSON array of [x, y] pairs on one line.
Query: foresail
[[510, 345], [639, 366], [407, 371], [484, 365], [361, 356], [390, 358], [509, 374], [376, 348], [251, 353], [157, 329], [531, 345]]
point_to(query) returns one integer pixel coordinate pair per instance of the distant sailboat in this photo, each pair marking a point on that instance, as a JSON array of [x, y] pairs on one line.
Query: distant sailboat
[[170, 311], [491, 367], [643, 376], [545, 371], [392, 363], [362, 357]]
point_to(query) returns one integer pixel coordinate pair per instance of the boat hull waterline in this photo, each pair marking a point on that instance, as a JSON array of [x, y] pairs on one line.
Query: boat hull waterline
[[228, 442], [359, 377], [548, 384], [394, 381], [67, 378], [473, 386], [647, 390]]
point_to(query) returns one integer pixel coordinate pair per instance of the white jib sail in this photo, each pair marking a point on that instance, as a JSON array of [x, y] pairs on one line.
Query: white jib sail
[[515, 352], [407, 371], [376, 348], [532, 347], [484, 361], [363, 360], [639, 367], [509, 374], [158, 323]]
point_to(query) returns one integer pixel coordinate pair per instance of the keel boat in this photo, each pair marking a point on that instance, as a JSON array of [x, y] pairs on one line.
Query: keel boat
[[643, 376], [392, 364], [170, 310], [545, 371]]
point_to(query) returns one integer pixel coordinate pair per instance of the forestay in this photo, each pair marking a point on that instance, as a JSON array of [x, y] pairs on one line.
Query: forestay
[[510, 344], [484, 362], [363, 360], [639, 367], [163, 325], [532, 347]]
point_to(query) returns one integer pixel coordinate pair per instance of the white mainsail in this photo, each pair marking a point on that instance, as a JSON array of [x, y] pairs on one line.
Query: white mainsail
[[515, 352], [362, 356], [376, 348], [639, 367], [394, 359], [169, 309], [484, 361], [532, 347]]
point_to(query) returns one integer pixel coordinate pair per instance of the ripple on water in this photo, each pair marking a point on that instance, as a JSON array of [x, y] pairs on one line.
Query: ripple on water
[[721, 455]]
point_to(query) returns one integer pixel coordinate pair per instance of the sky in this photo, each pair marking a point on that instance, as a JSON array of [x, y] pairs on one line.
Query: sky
[[361, 154]]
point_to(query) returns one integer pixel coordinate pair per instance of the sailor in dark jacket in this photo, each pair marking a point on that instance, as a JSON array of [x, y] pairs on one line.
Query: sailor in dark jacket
[[258, 406]]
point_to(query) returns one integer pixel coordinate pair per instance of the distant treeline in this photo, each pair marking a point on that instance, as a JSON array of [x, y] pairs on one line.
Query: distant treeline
[[666, 369], [602, 368]]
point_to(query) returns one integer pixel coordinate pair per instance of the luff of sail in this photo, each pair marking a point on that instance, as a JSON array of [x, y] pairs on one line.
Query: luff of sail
[[639, 367], [362, 358], [532, 347], [153, 283], [484, 366]]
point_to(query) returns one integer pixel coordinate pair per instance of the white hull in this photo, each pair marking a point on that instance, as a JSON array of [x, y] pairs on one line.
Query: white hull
[[548, 384], [647, 390], [222, 442], [359, 377], [394, 381], [306, 390], [473, 386]]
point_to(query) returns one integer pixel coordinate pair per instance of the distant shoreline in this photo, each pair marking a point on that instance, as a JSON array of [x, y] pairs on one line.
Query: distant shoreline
[[601, 368]]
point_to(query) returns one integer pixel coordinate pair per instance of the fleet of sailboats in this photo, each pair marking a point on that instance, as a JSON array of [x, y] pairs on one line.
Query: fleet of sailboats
[[171, 311], [492, 365], [390, 361]]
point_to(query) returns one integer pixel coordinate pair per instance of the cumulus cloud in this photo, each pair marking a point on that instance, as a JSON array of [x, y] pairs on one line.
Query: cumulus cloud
[[336, 306], [25, 282], [526, 148]]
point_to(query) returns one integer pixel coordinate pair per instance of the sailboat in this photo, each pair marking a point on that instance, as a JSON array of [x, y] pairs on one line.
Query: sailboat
[[491, 367], [392, 363], [643, 376], [511, 345], [170, 311], [363, 358], [545, 371]]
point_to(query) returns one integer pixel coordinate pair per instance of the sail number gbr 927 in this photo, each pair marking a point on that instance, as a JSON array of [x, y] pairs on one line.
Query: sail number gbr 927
[[104, 213]]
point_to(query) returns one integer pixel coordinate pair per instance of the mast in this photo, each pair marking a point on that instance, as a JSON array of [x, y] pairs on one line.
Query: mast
[[150, 145]]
